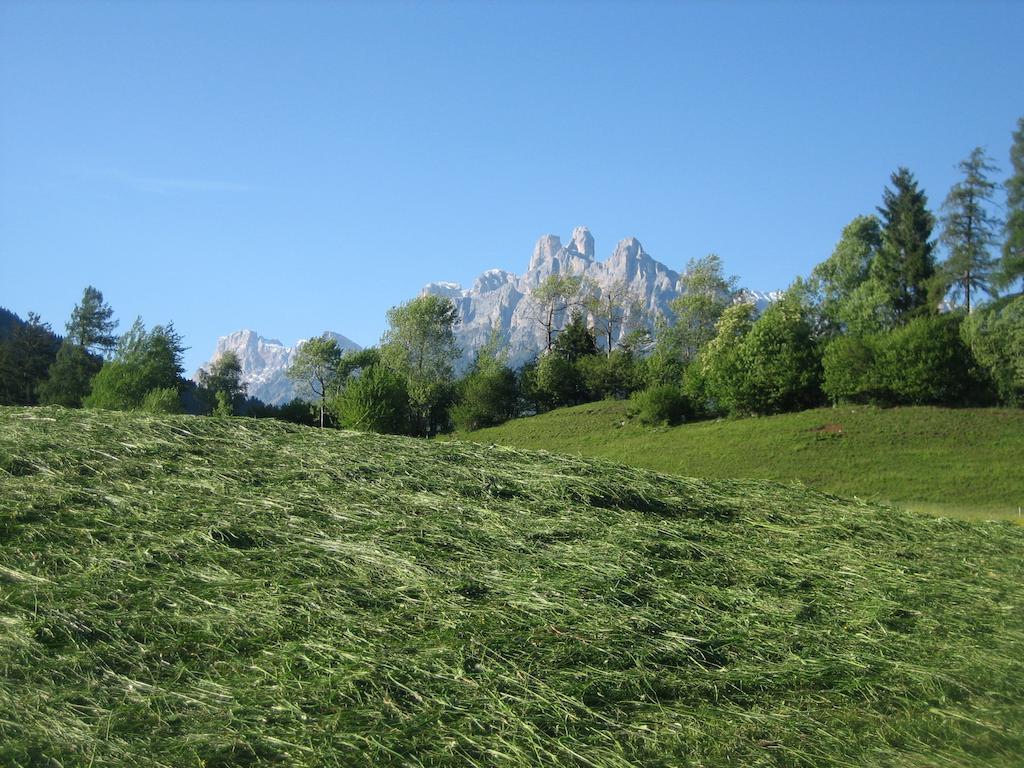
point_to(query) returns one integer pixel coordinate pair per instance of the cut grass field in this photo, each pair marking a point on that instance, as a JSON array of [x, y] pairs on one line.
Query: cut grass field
[[963, 462], [179, 591]]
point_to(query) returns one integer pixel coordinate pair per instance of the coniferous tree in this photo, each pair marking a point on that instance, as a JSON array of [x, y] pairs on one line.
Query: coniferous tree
[[70, 376], [576, 340], [904, 265], [92, 325], [1011, 267], [27, 356], [969, 230]]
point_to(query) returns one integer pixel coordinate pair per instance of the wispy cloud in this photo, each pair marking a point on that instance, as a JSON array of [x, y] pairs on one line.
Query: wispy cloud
[[162, 185]]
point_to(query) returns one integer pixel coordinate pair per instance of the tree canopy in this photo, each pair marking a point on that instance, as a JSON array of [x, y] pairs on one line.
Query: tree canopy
[[315, 367], [143, 361], [419, 346]]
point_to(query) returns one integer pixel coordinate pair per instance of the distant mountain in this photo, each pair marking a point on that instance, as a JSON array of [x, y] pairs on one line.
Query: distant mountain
[[265, 362], [499, 299]]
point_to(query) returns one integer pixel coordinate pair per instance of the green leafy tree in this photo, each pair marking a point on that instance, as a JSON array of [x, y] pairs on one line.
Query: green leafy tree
[[969, 230], [705, 293], [315, 367], [868, 310], [1011, 266], [557, 382], [850, 370], [995, 335], [142, 362], [373, 400], [927, 363], [720, 378], [419, 346], [355, 360], [550, 300], [617, 375], [223, 383], [488, 394], [92, 326], [904, 264], [767, 365], [837, 282], [780, 359], [660, 404], [162, 400]]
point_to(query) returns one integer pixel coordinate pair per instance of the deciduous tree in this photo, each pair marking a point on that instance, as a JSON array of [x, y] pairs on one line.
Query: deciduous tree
[[419, 346], [704, 294], [223, 381], [551, 300], [316, 367], [143, 361], [612, 308]]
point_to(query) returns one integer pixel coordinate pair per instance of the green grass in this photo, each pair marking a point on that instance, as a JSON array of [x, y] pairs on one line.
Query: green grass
[[966, 462], [180, 591]]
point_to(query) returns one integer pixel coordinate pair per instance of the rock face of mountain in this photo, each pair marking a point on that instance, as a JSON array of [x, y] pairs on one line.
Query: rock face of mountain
[[265, 362], [500, 301]]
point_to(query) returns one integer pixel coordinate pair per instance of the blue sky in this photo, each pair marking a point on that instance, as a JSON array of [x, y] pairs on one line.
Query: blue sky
[[292, 167]]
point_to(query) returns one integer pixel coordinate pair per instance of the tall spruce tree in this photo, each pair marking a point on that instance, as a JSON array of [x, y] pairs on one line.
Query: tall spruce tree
[[1011, 267], [905, 263], [969, 230]]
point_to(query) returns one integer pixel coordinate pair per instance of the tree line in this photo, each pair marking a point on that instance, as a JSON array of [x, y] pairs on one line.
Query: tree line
[[881, 320]]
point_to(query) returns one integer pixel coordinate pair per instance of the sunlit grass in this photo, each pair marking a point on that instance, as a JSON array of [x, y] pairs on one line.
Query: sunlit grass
[[180, 591], [965, 461]]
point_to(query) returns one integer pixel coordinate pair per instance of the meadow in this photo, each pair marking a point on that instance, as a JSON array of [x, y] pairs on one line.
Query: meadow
[[964, 462], [180, 591]]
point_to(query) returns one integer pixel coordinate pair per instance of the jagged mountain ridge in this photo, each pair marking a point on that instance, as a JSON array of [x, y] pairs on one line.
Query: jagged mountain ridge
[[265, 362], [499, 299]]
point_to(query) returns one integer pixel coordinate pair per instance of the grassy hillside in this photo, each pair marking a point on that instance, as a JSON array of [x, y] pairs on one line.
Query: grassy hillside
[[965, 462], [221, 592]]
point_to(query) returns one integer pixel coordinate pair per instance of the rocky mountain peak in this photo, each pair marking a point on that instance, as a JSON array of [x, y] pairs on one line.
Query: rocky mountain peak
[[545, 250], [583, 242], [500, 300]]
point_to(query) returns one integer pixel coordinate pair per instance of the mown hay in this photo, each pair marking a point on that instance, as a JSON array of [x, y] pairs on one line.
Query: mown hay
[[180, 591]]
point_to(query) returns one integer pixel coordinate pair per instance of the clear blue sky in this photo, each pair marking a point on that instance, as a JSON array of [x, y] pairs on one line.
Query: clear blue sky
[[292, 167]]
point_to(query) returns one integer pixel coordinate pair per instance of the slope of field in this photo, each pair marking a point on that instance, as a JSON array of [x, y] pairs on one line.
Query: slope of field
[[180, 591], [965, 462]]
